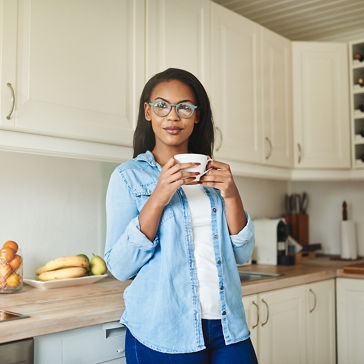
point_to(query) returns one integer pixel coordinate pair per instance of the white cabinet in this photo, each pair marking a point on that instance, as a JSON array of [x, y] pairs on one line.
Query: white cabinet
[[350, 320], [103, 343], [321, 105], [293, 325], [320, 313], [235, 82], [177, 36], [74, 67], [276, 99]]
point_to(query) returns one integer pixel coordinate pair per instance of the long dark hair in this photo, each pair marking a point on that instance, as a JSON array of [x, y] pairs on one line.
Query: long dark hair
[[201, 140]]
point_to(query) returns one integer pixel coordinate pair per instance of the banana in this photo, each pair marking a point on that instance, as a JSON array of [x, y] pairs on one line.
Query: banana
[[64, 273], [64, 262]]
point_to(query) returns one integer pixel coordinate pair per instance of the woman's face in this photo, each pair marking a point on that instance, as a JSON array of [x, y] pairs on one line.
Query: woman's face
[[171, 130]]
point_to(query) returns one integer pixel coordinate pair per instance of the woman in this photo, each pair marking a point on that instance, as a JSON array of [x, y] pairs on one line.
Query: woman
[[179, 238]]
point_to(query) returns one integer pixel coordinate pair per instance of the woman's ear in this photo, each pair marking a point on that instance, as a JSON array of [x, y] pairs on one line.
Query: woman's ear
[[147, 112]]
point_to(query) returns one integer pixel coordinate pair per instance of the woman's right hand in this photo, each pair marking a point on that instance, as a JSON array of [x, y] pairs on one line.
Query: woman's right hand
[[171, 178]]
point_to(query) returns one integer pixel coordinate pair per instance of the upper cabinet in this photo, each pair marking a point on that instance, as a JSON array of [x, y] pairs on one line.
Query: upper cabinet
[[276, 100], [177, 35], [235, 85], [321, 105], [71, 69]]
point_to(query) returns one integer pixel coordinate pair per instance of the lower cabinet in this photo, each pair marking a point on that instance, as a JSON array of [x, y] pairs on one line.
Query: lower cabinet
[[104, 343], [350, 320], [293, 325]]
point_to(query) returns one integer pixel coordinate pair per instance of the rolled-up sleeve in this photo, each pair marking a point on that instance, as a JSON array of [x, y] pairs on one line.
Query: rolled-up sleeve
[[127, 249], [243, 242]]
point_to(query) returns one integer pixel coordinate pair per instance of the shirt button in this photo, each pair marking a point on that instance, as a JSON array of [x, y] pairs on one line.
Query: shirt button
[[221, 287], [219, 262], [214, 209], [223, 312], [216, 236]]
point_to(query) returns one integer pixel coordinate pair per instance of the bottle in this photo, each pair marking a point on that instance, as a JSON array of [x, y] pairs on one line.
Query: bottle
[[11, 268], [358, 57], [361, 81]]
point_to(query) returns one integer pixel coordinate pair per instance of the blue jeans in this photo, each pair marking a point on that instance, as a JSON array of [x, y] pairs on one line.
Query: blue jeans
[[216, 351]]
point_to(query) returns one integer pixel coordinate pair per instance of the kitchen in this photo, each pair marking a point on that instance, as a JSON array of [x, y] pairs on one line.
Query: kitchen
[[62, 142]]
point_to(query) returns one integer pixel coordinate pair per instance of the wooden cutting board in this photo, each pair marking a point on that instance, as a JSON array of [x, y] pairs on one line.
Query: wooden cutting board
[[354, 268]]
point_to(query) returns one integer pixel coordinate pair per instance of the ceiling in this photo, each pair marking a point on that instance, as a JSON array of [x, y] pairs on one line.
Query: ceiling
[[326, 20]]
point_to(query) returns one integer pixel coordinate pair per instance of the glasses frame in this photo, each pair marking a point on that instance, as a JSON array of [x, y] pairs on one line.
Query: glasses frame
[[194, 107]]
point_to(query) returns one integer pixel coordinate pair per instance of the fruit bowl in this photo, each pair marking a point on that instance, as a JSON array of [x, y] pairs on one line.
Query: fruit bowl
[[69, 282]]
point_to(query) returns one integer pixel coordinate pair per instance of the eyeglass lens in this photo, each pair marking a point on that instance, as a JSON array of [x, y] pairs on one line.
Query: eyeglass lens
[[183, 109]]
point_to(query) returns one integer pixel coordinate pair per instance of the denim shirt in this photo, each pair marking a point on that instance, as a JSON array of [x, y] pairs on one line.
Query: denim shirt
[[162, 307]]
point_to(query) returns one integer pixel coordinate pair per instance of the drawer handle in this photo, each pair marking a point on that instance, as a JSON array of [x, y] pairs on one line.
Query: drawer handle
[[254, 326], [220, 133], [266, 304], [299, 152], [270, 148], [13, 100], [314, 300]]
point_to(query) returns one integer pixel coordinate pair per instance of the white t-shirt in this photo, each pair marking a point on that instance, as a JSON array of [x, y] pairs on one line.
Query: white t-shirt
[[208, 280]]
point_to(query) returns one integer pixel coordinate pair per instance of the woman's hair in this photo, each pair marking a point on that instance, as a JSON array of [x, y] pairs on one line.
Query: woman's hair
[[201, 140]]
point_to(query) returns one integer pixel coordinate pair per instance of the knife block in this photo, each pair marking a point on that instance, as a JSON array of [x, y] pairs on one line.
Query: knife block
[[299, 227]]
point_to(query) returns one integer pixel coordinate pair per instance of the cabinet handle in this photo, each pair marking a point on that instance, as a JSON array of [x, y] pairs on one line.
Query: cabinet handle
[[314, 300], [13, 100], [299, 152], [270, 148], [266, 304], [254, 326], [220, 133]]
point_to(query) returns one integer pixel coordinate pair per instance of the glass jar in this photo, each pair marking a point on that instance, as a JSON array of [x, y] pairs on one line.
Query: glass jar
[[11, 271]]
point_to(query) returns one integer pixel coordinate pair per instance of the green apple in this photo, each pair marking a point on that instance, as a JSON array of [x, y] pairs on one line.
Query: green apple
[[98, 265]]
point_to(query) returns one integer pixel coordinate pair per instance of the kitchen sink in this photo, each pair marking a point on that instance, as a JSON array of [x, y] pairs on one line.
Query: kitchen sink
[[246, 276]]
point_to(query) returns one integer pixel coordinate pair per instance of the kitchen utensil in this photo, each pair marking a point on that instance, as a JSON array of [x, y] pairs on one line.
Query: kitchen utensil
[[303, 203], [349, 248]]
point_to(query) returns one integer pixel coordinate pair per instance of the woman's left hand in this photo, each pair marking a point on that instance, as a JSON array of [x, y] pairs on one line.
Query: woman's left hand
[[220, 177]]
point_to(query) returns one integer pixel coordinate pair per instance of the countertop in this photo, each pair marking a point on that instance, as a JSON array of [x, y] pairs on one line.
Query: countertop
[[60, 309]]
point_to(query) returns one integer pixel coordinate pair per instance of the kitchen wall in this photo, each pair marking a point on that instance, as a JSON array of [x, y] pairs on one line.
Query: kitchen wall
[[55, 206], [325, 211]]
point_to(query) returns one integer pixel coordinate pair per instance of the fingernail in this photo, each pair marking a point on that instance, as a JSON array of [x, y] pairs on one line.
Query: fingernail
[[197, 164], [197, 173]]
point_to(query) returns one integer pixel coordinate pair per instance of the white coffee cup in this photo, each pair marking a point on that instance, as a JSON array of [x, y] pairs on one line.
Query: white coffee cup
[[194, 158]]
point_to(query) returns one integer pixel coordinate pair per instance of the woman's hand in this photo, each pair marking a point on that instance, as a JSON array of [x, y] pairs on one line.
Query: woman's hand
[[220, 177], [171, 178]]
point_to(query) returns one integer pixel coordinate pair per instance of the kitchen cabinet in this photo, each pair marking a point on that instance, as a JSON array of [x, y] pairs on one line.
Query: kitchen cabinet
[[235, 85], [177, 35], [350, 320], [320, 314], [321, 105], [104, 343], [284, 324], [276, 100], [71, 70]]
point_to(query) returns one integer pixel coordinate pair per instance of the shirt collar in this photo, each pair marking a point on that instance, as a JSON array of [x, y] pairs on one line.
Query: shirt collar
[[147, 157]]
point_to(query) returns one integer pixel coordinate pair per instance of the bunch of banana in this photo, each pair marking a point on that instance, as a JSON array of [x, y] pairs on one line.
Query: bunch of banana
[[63, 267]]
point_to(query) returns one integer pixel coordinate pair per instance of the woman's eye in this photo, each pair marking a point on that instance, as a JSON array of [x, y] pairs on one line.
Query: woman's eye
[[185, 107], [161, 105]]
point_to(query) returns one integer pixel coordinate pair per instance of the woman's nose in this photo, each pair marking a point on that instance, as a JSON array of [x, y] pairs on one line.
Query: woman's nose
[[173, 114]]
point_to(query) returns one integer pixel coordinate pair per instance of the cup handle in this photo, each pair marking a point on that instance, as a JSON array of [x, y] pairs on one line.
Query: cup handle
[[204, 172]]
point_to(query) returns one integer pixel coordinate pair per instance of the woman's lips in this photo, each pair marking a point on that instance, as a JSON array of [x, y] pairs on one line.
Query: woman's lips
[[172, 130]]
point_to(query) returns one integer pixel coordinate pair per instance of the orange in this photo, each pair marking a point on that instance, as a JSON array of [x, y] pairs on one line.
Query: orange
[[13, 280], [7, 254], [15, 262], [5, 270], [11, 244]]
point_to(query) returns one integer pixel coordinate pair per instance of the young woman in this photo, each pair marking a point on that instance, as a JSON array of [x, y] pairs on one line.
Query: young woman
[[179, 239]]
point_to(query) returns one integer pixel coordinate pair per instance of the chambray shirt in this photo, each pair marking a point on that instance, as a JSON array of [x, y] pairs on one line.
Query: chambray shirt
[[162, 307]]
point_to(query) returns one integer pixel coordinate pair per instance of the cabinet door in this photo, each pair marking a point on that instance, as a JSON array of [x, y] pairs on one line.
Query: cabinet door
[[235, 85], [281, 337], [350, 320], [321, 105], [103, 343], [252, 318], [177, 36], [79, 67], [276, 99], [320, 313]]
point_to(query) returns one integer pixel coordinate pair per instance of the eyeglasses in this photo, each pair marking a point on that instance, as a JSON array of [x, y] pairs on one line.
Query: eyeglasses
[[183, 109]]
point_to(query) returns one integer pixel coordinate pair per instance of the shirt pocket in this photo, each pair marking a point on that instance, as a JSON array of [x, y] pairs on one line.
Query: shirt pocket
[[142, 194]]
